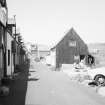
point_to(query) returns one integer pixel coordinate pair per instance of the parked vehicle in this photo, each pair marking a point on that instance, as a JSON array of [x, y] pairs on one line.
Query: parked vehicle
[[98, 75]]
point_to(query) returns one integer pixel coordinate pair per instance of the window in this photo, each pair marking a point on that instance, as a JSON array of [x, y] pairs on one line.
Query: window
[[3, 3], [13, 47], [8, 57], [72, 43]]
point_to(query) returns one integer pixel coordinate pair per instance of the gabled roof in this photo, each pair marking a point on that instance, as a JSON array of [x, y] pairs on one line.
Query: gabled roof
[[72, 34]]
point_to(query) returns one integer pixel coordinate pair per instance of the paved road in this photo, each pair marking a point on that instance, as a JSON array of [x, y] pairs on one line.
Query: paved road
[[46, 87]]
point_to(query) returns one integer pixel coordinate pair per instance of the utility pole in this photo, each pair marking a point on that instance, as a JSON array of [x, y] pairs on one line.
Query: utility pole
[[15, 25]]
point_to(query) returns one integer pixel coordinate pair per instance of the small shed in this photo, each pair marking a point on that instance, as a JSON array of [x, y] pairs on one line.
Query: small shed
[[51, 58], [71, 48]]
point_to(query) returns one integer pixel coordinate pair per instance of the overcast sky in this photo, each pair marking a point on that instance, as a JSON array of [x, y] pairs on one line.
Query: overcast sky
[[47, 21]]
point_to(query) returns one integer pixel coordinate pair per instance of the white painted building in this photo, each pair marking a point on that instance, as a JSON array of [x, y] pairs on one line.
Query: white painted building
[[9, 55], [51, 58]]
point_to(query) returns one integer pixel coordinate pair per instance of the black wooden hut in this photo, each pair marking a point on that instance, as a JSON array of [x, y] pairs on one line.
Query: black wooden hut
[[70, 47]]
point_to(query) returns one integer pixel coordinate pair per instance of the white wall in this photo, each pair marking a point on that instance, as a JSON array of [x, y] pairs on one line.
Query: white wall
[[51, 59], [10, 68]]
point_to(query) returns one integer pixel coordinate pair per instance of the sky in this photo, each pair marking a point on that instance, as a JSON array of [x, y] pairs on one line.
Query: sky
[[47, 21]]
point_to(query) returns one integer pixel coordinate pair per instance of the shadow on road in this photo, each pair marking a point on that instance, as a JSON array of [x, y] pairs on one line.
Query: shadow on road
[[29, 74], [32, 71], [18, 89], [33, 79]]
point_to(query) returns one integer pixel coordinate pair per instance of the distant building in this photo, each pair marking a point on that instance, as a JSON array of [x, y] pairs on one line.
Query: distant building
[[39, 50], [98, 51], [43, 51], [34, 50]]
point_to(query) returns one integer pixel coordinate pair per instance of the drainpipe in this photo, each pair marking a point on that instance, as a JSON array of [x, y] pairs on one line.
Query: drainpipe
[[15, 43]]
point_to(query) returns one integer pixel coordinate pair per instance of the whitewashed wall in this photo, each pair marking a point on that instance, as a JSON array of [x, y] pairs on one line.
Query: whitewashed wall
[[51, 59], [10, 68]]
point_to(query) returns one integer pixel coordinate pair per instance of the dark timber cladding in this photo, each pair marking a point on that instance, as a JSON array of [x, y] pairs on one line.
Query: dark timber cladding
[[70, 46]]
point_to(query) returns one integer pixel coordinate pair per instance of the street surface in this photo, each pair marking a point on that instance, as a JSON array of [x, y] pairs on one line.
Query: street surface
[[46, 87]]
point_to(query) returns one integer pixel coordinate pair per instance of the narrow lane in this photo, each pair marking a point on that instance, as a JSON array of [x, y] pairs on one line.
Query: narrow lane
[[46, 87]]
